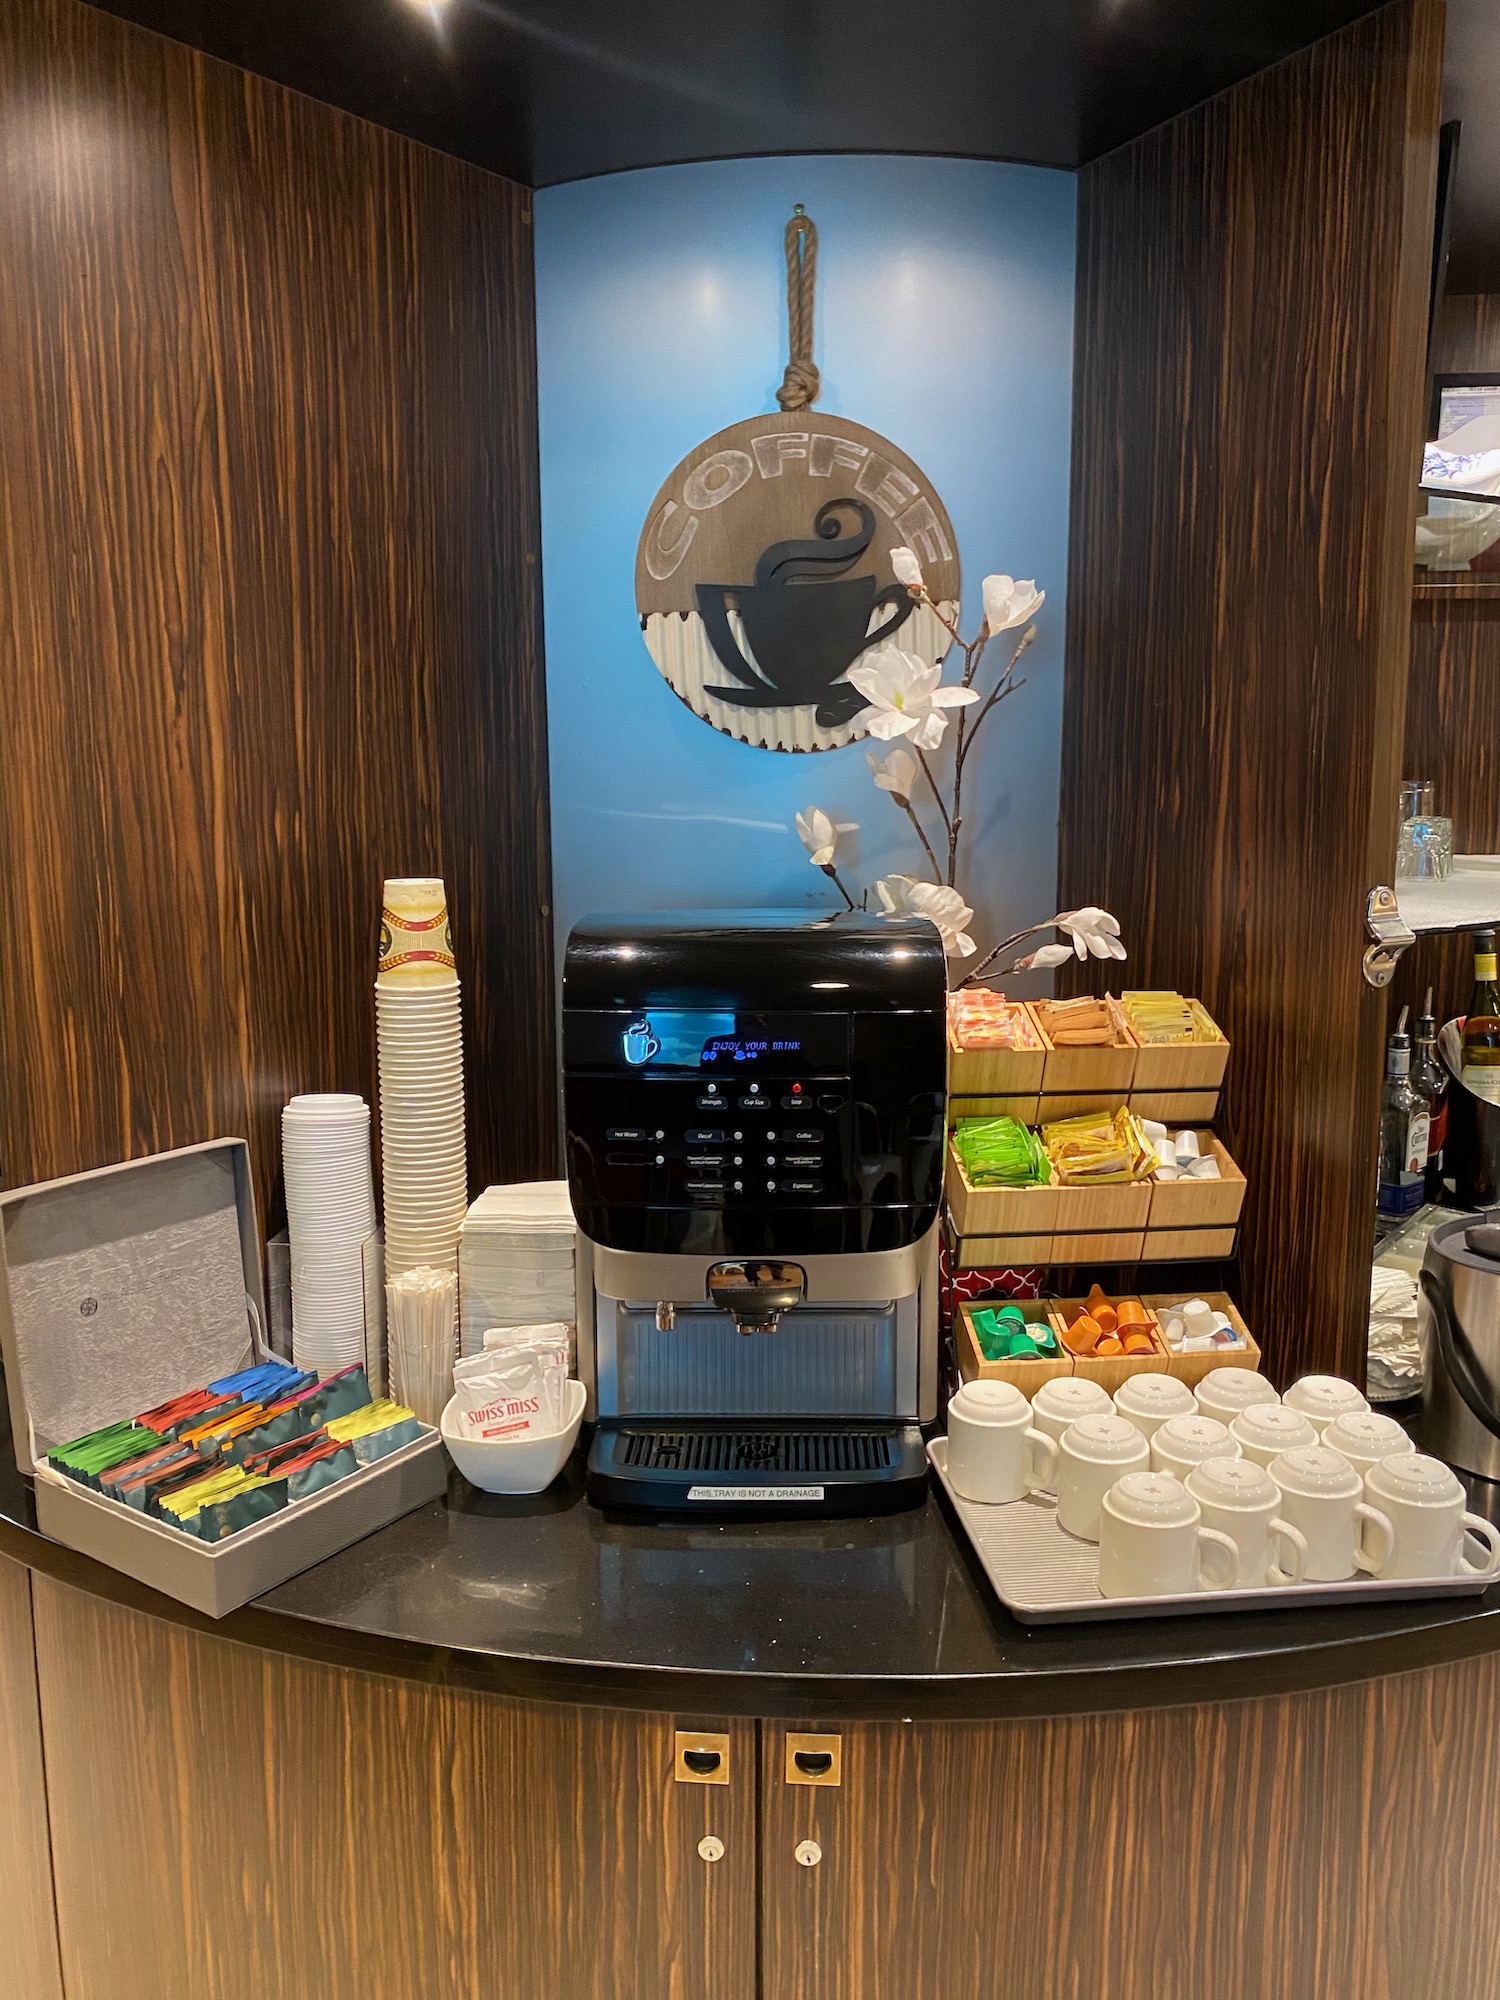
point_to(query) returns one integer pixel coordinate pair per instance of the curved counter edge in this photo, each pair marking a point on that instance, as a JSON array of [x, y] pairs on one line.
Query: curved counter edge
[[1046, 1692]]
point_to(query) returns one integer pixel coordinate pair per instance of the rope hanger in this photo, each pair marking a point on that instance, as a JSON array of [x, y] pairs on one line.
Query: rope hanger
[[800, 380]]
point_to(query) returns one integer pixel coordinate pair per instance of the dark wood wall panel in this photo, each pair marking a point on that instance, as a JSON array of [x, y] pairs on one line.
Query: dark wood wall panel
[[1250, 350], [28, 1924], [293, 1830], [1312, 1847], [268, 601], [1468, 333]]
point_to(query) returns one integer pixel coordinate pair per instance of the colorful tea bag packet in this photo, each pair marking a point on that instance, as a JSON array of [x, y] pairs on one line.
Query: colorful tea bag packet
[[322, 1465], [283, 1423], [376, 1430], [127, 1481], [85, 1458], [177, 1504], [254, 1500], [339, 1394], [1001, 1152], [266, 1382]]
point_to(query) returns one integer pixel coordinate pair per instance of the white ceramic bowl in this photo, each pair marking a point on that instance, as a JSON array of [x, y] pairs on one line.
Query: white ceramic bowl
[[514, 1465]]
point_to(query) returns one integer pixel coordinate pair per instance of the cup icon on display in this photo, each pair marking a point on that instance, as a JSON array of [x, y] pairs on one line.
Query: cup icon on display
[[639, 1042]]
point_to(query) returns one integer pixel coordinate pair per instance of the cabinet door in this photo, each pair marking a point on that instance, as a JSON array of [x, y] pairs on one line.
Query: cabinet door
[[1308, 1847], [231, 1825], [27, 1926]]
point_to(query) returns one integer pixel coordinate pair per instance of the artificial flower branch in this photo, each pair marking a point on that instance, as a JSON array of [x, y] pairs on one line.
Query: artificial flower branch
[[908, 702]]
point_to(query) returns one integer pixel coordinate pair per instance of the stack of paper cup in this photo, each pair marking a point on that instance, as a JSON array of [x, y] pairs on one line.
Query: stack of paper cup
[[330, 1212], [420, 1050]]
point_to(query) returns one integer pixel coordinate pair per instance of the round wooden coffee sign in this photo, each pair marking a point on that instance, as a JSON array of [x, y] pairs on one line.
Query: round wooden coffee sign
[[764, 572]]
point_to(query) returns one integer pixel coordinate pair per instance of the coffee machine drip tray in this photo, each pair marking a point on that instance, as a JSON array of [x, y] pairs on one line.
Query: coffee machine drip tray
[[757, 1472]]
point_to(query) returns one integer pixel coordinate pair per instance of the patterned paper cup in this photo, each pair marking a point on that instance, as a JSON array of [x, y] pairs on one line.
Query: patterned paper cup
[[416, 943]]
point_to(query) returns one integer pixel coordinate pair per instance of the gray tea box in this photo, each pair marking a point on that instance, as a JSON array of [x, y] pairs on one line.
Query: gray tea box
[[126, 1286]]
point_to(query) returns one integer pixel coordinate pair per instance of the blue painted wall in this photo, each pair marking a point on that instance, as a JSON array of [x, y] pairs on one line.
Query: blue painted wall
[[944, 320]]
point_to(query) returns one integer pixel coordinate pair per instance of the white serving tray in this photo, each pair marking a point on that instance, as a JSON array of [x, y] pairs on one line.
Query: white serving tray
[[1045, 1576]]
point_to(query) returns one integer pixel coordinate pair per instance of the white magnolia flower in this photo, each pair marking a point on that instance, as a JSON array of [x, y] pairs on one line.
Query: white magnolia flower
[[896, 775], [905, 696], [908, 569], [1092, 930], [1008, 603], [1044, 955], [901, 896], [820, 835]]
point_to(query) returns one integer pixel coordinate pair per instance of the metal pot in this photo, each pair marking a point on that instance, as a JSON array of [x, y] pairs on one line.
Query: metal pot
[[1458, 1324]]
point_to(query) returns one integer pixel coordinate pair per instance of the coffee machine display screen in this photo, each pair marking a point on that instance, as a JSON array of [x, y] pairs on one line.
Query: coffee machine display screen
[[710, 1042]]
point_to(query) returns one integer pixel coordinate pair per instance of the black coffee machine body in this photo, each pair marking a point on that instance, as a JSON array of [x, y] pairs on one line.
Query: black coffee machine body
[[755, 1128]]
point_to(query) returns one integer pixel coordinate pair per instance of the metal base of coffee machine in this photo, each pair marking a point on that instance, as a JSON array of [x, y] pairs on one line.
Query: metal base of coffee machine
[[759, 1388]]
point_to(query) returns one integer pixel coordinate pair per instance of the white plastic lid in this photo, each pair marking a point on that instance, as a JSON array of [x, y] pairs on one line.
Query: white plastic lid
[[1197, 1438], [990, 1403], [1420, 1481], [1273, 1424], [1368, 1433], [1239, 1386], [1324, 1396], [1155, 1396], [1111, 1439], [1232, 1482], [1156, 1499], [1072, 1396], [1309, 1468]]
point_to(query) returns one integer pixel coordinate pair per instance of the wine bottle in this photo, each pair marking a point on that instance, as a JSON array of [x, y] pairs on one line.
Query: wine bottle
[[1481, 1064], [1403, 1132], [1430, 1080]]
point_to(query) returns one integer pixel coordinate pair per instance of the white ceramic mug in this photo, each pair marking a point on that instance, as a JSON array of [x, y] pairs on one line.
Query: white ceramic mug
[[1065, 1399], [1365, 1437], [1266, 1430], [1153, 1543], [1243, 1501], [1323, 1495], [1321, 1398], [994, 1454], [1425, 1504], [1094, 1453], [1183, 1442], [1224, 1392], [1148, 1400]]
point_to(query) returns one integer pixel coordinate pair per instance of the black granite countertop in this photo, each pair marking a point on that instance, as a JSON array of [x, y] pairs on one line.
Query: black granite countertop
[[550, 1600]]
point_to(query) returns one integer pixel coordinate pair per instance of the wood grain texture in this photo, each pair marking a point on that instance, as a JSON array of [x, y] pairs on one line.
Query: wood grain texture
[[1453, 737], [1248, 408], [1467, 333], [1310, 1847], [297, 1830], [268, 602], [28, 1924]]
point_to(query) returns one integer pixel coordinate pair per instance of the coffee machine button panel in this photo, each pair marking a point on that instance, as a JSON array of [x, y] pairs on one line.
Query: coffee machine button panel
[[712, 1103], [753, 1103], [803, 1159], [631, 1135], [705, 1162], [801, 1187], [701, 1135], [803, 1135], [699, 1190]]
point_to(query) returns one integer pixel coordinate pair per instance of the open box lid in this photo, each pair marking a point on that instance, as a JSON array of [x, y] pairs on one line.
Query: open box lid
[[124, 1287]]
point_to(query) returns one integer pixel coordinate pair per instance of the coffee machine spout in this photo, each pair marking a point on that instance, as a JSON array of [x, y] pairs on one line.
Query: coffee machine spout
[[755, 1292]]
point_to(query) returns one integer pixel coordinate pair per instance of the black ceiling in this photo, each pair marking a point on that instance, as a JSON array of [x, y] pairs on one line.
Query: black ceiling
[[551, 90]]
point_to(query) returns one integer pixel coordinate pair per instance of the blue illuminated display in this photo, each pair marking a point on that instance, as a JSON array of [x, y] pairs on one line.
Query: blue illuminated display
[[663, 1038]]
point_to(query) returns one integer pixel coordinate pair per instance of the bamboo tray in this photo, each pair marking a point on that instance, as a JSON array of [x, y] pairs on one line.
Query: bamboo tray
[[1045, 1576], [1176, 1082]]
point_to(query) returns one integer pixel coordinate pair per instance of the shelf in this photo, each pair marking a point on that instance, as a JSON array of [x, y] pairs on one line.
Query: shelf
[[1457, 584], [1470, 897]]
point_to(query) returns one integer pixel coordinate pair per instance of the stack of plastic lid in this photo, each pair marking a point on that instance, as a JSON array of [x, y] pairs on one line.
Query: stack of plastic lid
[[330, 1210], [515, 1259], [420, 1047]]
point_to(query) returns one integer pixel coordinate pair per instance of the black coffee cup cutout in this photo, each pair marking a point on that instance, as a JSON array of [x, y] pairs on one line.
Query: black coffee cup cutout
[[806, 622]]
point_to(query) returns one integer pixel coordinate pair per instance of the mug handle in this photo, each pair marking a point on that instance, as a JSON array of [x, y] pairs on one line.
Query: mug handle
[[1294, 1543], [1385, 1535], [1485, 1532], [1041, 1470], [1226, 1553]]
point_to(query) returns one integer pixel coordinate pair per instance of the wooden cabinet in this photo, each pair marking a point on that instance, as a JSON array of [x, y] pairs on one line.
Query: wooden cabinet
[[1309, 1847], [228, 1824], [236, 1825]]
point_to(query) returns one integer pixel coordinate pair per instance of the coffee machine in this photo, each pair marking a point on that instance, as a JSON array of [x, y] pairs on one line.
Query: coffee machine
[[754, 1105]]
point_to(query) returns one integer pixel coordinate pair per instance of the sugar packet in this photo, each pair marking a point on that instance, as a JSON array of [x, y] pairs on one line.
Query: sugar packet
[[515, 1388]]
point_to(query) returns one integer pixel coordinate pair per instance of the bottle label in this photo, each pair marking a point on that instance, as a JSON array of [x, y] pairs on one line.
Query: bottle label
[[1484, 965], [1417, 1133]]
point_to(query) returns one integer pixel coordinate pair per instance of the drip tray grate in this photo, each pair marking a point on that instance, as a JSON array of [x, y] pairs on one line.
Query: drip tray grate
[[755, 1451]]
